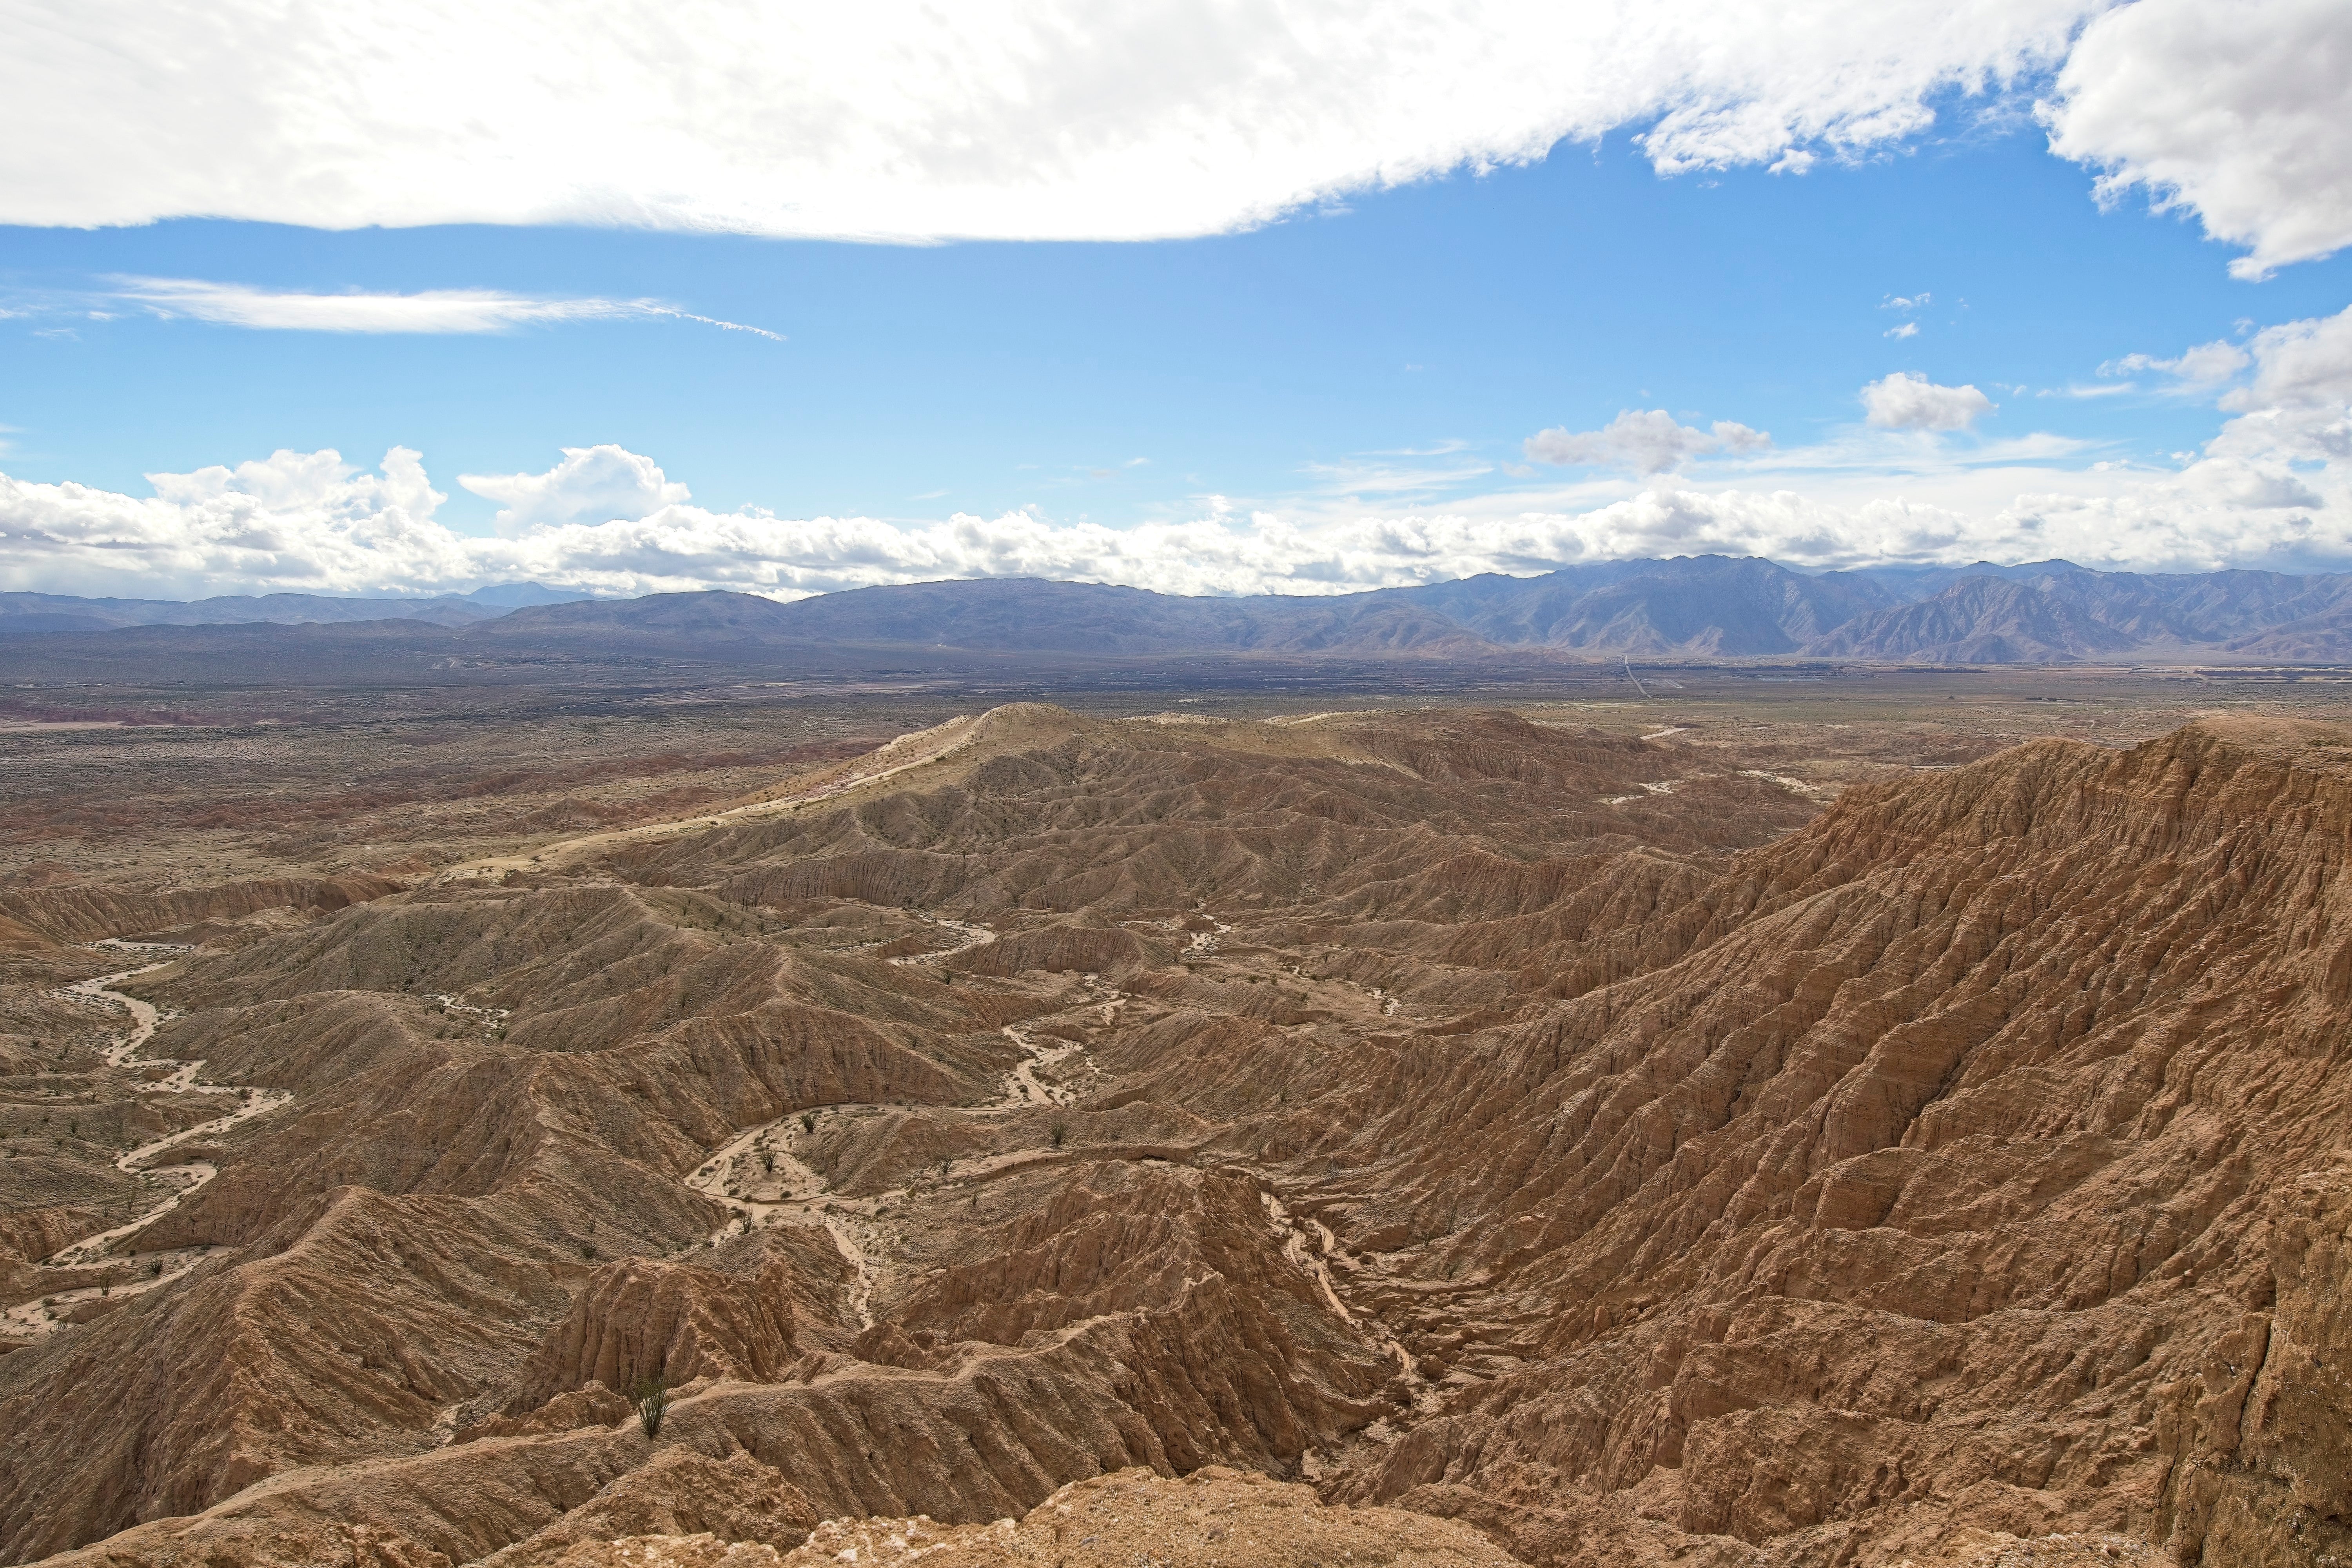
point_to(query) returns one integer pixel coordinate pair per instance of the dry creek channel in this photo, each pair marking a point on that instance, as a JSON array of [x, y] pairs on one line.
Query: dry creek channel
[[171, 1183], [756, 1174]]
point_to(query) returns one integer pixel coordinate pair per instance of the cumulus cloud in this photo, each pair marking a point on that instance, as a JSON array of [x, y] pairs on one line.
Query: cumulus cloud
[[902, 120], [1901, 401], [2273, 487], [2296, 405], [1908, 329], [593, 484], [1648, 442], [605, 520], [2299, 365], [2234, 112], [436, 311], [2291, 385]]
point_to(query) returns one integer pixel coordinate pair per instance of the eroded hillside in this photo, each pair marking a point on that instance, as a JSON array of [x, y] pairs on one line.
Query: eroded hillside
[[1589, 1138]]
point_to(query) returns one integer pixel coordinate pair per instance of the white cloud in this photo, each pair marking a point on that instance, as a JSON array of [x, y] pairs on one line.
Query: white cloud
[[2290, 383], [438, 310], [1919, 301], [2300, 365], [593, 484], [2273, 487], [1648, 442], [1908, 329], [903, 120], [2236, 113], [1901, 401], [2296, 407], [2205, 363], [899, 120], [310, 523]]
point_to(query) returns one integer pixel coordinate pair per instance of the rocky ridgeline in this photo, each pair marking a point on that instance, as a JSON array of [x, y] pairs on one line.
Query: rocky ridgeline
[[1575, 1139]]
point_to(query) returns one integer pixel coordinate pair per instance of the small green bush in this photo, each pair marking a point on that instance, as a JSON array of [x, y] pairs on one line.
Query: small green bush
[[651, 1397]]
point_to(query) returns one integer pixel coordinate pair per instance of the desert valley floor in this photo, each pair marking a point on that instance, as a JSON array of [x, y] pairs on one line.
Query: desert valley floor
[[1726, 1117]]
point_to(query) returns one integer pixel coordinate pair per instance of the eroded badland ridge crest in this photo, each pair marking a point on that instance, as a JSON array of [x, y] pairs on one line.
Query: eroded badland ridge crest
[[1518, 1140]]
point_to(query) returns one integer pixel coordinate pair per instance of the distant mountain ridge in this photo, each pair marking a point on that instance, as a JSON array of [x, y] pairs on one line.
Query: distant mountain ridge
[[1024, 614], [25, 614], [1706, 606]]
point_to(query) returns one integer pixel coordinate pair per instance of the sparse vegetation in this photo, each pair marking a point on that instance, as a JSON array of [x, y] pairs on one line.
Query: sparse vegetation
[[651, 1396], [1060, 1131]]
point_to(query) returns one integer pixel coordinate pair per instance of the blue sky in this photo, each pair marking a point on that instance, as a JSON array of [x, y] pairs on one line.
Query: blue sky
[[1372, 359]]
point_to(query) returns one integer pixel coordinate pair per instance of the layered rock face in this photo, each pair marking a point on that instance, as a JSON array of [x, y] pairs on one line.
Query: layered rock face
[[1577, 1140]]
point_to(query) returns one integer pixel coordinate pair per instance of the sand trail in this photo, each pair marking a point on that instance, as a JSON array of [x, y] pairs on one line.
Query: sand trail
[[177, 1182], [761, 1182]]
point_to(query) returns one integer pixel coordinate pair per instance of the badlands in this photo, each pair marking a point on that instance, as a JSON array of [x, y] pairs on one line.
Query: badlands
[[1733, 1127]]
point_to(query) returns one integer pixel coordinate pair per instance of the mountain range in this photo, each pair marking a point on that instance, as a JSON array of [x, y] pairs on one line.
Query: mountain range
[[1706, 607], [25, 615]]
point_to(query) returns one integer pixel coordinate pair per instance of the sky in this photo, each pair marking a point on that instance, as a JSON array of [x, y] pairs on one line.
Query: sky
[[1206, 296]]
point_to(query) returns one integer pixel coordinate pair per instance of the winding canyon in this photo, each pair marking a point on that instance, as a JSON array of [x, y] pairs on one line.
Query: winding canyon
[[1414, 1137]]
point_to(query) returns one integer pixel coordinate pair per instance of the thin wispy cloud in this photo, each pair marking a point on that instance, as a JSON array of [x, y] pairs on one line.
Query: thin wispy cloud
[[433, 311], [1367, 474], [2083, 391], [2197, 372]]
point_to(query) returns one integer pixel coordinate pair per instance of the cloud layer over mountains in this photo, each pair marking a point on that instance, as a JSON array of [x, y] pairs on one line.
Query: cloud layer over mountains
[[2270, 489], [897, 121]]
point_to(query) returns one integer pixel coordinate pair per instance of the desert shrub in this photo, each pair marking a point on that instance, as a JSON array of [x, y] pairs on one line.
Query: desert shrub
[[651, 1396]]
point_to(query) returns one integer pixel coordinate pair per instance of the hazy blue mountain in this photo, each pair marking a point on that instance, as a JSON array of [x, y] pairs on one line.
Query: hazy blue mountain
[[1704, 607], [1977, 620], [24, 614], [1713, 606], [1024, 615]]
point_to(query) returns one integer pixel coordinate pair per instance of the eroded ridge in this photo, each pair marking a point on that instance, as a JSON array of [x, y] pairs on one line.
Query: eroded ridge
[[1439, 1110]]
